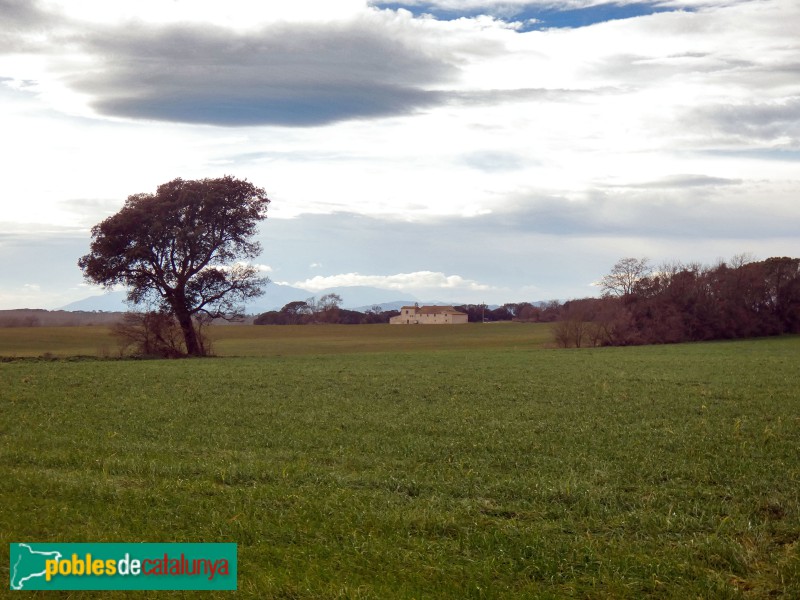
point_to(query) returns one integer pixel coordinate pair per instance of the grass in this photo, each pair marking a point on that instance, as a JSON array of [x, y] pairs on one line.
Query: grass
[[26, 342], [326, 339], [377, 464], [57, 341]]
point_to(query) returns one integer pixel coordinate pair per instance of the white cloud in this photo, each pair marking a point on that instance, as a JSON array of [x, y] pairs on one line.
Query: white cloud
[[261, 269], [420, 280]]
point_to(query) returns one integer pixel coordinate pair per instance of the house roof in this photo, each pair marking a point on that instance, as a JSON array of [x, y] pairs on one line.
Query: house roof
[[434, 310]]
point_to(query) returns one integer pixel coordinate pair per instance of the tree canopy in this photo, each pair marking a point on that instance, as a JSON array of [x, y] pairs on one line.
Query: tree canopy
[[179, 251], [682, 303]]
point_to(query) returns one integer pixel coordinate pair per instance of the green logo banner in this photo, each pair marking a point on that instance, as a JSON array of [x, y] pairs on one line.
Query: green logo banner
[[35, 566]]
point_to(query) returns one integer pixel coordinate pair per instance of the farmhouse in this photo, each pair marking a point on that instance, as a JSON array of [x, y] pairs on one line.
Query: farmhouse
[[428, 315]]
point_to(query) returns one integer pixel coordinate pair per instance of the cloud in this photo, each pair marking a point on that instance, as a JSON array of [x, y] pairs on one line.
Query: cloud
[[90, 211], [373, 63], [284, 74], [675, 208], [537, 233], [420, 280], [23, 22], [682, 182], [292, 72], [238, 14], [21, 14], [501, 8], [493, 161], [261, 269], [775, 123], [520, 95]]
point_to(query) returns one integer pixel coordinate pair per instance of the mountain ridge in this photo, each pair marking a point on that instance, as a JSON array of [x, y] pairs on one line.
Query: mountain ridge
[[275, 297]]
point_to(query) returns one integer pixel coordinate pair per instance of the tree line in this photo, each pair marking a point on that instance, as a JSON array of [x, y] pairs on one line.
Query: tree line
[[326, 309], [539, 312], [685, 303], [37, 317]]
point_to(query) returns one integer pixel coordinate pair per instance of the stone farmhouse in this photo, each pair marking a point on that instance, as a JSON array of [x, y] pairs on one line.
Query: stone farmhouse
[[429, 315]]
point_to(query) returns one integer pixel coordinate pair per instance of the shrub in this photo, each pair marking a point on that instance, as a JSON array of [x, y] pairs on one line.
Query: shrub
[[155, 334]]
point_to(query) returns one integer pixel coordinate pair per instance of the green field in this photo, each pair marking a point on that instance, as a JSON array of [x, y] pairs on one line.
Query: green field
[[254, 341], [418, 462]]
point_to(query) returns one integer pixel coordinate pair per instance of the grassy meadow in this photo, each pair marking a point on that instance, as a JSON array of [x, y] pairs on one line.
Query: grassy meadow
[[252, 341], [417, 462]]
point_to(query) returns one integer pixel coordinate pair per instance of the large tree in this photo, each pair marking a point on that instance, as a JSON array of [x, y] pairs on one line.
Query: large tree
[[180, 250]]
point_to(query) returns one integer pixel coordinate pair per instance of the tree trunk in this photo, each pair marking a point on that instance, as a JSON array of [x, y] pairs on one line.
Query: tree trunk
[[193, 347]]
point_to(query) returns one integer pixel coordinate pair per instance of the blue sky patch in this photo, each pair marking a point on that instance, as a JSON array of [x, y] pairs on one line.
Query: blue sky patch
[[539, 17]]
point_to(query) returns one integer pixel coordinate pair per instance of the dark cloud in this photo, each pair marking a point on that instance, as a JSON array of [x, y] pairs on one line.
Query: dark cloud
[[495, 96], [19, 20], [638, 70], [298, 105], [288, 75], [692, 209], [22, 15], [754, 123], [683, 181]]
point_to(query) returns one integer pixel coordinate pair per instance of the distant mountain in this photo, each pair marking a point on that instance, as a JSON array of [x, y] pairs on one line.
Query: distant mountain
[[360, 295], [108, 302], [396, 305], [275, 297]]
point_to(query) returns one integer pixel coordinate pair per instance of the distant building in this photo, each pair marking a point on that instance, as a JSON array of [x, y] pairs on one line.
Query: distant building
[[429, 315]]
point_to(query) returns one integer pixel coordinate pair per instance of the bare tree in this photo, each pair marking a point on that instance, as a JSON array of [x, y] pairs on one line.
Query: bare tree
[[330, 301], [149, 334], [624, 275]]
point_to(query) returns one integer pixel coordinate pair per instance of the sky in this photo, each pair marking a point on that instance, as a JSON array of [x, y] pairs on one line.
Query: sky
[[458, 150]]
